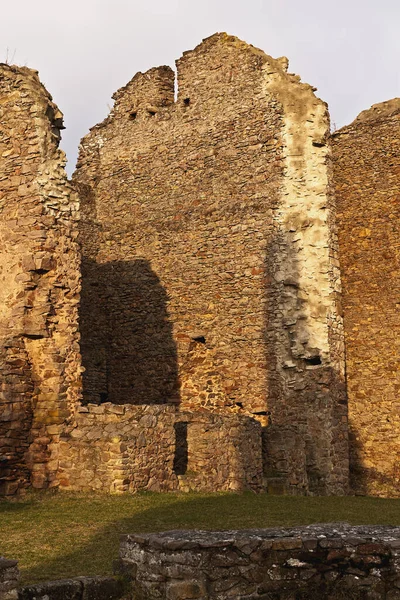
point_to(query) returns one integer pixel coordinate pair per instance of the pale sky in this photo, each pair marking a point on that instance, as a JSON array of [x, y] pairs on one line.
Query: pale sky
[[86, 49]]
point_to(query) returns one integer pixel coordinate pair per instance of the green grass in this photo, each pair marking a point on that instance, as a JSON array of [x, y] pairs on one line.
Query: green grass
[[64, 535]]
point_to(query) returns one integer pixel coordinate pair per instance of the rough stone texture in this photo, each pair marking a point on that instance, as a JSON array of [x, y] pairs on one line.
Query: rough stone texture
[[40, 277], [367, 175], [78, 588], [210, 273], [118, 448], [315, 562], [211, 294], [9, 579]]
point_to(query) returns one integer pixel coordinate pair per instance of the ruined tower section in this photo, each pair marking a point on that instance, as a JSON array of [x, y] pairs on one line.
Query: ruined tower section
[[367, 170], [306, 443], [210, 277], [39, 292]]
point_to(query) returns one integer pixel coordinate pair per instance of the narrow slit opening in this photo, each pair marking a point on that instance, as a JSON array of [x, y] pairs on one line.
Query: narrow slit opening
[[181, 448], [313, 360], [103, 397]]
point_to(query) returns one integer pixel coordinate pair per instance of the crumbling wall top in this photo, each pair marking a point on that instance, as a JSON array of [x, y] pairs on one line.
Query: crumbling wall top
[[216, 64], [146, 91], [375, 114]]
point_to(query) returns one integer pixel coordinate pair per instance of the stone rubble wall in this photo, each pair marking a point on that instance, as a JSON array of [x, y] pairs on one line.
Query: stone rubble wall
[[307, 445], [117, 448], [40, 281], [304, 563], [367, 185], [224, 453], [77, 588], [211, 289], [203, 225], [9, 579]]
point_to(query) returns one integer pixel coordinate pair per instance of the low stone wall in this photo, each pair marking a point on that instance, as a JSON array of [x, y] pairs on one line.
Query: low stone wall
[[9, 577], [316, 562], [78, 588], [224, 453], [118, 448]]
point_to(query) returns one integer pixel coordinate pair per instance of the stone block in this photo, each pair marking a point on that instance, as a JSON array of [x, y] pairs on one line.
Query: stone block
[[185, 590]]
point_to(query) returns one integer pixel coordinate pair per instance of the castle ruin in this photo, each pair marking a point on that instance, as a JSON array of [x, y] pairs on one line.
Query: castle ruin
[[173, 318]]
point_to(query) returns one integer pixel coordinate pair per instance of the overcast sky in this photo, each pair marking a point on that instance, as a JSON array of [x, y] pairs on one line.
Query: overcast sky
[[86, 49]]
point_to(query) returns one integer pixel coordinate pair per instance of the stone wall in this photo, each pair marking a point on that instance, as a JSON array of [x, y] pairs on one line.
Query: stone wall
[[315, 562], [78, 588], [324, 561], [39, 292], [210, 274], [211, 293], [9, 579], [366, 170], [117, 448]]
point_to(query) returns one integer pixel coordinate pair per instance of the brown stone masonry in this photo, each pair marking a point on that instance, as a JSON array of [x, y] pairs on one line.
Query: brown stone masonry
[[116, 448], [210, 330], [367, 182], [210, 273], [39, 291]]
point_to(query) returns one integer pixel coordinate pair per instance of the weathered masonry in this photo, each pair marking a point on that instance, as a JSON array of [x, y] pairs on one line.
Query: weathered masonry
[[367, 183], [40, 278], [319, 561], [209, 258], [173, 320]]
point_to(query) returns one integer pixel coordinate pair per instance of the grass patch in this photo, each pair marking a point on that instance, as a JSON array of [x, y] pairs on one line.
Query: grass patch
[[58, 535]]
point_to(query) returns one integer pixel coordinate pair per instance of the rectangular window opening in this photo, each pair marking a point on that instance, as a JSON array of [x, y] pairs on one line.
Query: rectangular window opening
[[181, 448]]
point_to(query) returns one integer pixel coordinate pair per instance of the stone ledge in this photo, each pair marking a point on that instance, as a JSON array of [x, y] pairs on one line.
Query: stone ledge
[[353, 535], [318, 561]]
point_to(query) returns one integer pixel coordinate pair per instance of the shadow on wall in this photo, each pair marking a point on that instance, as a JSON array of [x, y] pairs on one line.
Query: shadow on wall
[[15, 414], [305, 444], [369, 481], [127, 346]]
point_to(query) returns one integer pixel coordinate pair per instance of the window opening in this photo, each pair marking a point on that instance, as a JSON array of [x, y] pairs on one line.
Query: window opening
[[313, 360], [103, 397], [181, 448]]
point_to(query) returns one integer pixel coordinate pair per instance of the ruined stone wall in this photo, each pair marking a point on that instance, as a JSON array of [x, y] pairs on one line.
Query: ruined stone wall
[[117, 448], [76, 588], [367, 170], [39, 291], [209, 257], [211, 288], [307, 563], [9, 579]]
